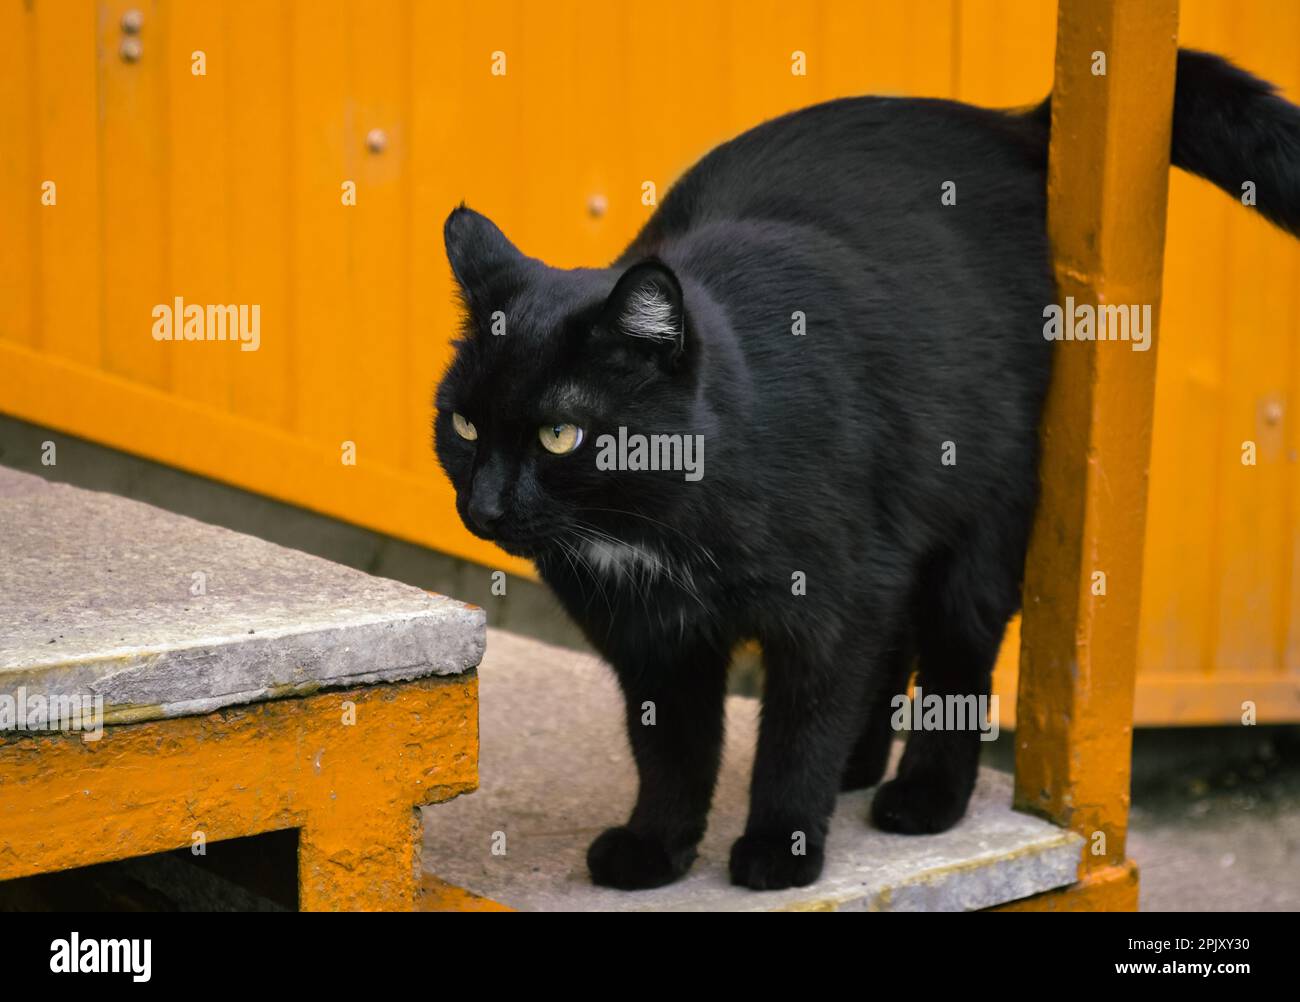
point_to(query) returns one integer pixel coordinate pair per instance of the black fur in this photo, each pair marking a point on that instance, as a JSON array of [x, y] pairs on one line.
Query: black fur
[[924, 326], [1230, 127]]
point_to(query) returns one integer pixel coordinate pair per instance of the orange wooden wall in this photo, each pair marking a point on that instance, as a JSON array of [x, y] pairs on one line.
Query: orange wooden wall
[[226, 188]]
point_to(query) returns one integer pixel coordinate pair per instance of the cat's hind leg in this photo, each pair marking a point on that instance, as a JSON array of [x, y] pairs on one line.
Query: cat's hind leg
[[870, 755], [967, 597]]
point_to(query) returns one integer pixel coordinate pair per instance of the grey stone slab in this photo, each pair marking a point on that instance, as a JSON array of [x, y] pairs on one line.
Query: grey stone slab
[[98, 598], [555, 771]]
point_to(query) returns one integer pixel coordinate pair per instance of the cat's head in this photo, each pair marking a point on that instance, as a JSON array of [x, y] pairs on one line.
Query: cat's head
[[551, 361]]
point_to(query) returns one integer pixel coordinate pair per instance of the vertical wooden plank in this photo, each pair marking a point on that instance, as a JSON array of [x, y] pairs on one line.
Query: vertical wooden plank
[[1289, 663], [490, 117], [548, 187], [662, 146], [373, 347], [436, 89], [1257, 534], [1005, 52], [1252, 517], [1289, 666], [1180, 591], [135, 193], [322, 269], [198, 220], [600, 74], [909, 46], [930, 30], [763, 37], [259, 215], [20, 194], [1107, 185], [448, 72], [69, 292], [851, 27]]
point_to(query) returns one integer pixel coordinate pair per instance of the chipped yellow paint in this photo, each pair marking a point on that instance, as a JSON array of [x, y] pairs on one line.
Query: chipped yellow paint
[[439, 896], [1111, 889], [351, 789]]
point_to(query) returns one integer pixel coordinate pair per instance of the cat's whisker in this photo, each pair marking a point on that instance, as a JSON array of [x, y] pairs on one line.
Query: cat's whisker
[[568, 553]]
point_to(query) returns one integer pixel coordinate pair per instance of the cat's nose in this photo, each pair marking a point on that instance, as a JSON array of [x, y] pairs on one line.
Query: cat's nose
[[485, 508], [487, 497], [485, 513]]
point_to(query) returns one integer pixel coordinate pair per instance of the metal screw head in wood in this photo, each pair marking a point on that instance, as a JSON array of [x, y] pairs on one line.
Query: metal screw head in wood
[[132, 22], [376, 140], [131, 49]]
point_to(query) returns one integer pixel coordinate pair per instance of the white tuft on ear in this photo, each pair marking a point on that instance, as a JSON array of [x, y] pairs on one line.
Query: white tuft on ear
[[649, 315]]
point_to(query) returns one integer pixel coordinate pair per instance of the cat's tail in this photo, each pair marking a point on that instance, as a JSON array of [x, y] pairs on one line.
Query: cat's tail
[[1234, 130]]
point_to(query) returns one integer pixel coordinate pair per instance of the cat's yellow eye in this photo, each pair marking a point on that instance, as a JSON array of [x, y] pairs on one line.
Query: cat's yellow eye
[[464, 428], [560, 438]]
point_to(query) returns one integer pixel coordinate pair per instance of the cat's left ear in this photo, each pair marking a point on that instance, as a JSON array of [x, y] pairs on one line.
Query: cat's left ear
[[646, 305], [476, 250]]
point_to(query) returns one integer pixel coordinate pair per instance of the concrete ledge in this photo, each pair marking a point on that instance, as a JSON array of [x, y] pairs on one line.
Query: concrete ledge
[[97, 598], [555, 771]]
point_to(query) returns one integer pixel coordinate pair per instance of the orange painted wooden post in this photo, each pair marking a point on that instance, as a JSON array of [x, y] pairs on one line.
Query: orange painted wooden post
[[1107, 187]]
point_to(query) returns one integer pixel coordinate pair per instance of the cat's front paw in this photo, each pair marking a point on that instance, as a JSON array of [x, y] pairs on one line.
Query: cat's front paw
[[770, 863], [619, 857]]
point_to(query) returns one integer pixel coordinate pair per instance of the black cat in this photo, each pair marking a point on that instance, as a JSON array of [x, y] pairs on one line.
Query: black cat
[[844, 376]]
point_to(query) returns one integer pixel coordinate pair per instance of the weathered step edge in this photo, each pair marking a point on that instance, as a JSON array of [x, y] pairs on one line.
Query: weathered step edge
[[148, 684], [115, 574]]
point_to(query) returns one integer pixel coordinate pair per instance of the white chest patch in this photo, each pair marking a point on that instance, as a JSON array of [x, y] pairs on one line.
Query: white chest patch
[[623, 560]]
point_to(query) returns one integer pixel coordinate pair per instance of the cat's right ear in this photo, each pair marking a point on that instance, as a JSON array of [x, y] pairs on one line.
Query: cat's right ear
[[646, 312], [476, 249]]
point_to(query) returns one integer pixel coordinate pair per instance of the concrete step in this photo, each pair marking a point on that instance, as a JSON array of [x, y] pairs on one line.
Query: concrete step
[[162, 616], [555, 771]]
